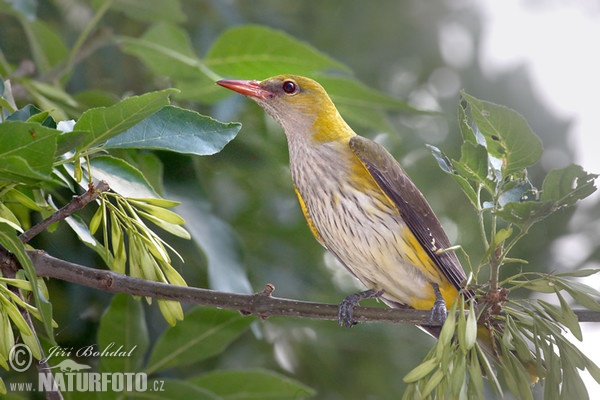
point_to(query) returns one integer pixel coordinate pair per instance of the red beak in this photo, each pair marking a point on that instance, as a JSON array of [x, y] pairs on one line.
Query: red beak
[[247, 88]]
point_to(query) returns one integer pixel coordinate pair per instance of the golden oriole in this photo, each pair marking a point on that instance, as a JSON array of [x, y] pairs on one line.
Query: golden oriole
[[359, 202]]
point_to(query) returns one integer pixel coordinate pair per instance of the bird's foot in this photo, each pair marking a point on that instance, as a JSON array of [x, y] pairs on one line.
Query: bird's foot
[[346, 307], [439, 313]]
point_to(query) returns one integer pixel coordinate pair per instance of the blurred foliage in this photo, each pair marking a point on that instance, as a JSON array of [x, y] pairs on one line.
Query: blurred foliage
[[239, 204]]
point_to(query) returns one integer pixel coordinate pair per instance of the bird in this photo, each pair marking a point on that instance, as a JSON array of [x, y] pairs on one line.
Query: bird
[[359, 202]]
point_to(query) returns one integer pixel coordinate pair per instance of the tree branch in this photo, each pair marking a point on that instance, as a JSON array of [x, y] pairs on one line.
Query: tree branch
[[76, 204], [261, 304]]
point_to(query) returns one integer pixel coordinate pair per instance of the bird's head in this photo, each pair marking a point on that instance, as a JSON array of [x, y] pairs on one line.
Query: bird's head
[[300, 105]]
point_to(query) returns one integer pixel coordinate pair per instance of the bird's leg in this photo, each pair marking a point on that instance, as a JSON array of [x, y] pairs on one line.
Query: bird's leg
[[346, 307], [438, 311]]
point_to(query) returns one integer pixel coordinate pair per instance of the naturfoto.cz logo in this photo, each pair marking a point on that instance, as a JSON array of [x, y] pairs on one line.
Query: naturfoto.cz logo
[[70, 376]]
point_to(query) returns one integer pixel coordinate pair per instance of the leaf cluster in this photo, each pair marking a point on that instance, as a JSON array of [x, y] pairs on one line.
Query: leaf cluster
[[518, 341]]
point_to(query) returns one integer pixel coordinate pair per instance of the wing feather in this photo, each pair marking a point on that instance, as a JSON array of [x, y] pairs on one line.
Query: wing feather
[[411, 204]]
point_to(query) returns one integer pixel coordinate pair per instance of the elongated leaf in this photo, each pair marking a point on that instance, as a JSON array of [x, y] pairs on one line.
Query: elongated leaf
[[167, 50], [421, 370], [7, 217], [46, 46], [205, 332], [252, 384], [102, 123], [10, 241], [123, 328], [507, 134], [258, 52], [28, 147], [179, 130], [122, 177]]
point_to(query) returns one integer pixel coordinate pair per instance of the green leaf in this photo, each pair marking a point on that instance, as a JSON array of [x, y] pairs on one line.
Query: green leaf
[[167, 50], [29, 112], [26, 149], [581, 273], [148, 10], [473, 163], [179, 130], [122, 177], [561, 188], [507, 134], [46, 46], [174, 229], [516, 191], [16, 169], [448, 328], [204, 333], [7, 217], [471, 328], [258, 52], [443, 160], [502, 235], [433, 382], [447, 166], [567, 185], [421, 370], [252, 385], [68, 141], [569, 319], [525, 213], [582, 293], [469, 136], [102, 123], [10, 241], [21, 198], [83, 233], [159, 212], [123, 328]]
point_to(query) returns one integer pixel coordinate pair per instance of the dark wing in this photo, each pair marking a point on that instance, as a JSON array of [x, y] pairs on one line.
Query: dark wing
[[411, 204]]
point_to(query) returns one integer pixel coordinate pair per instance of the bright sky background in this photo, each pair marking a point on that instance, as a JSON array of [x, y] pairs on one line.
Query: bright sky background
[[559, 42]]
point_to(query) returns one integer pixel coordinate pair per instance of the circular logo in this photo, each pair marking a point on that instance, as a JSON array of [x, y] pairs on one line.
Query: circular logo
[[20, 357]]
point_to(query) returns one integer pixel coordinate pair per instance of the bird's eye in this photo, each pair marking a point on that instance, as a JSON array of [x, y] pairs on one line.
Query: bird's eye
[[289, 87]]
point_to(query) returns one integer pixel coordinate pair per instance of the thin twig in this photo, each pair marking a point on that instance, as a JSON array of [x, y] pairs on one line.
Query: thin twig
[[76, 204]]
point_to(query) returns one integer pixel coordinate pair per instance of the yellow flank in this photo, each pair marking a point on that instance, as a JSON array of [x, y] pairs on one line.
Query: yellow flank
[[311, 225]]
